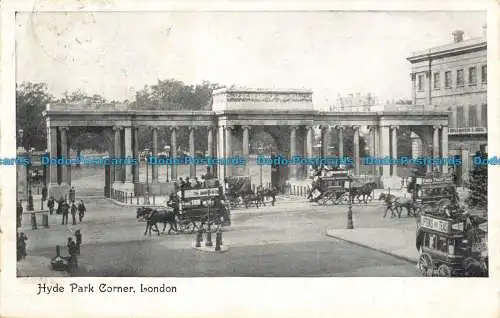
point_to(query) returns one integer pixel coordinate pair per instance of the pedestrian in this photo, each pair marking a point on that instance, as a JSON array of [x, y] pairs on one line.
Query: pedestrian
[[81, 210], [21, 246], [73, 261], [72, 194], [188, 186], [19, 214], [44, 193], [182, 183], [50, 205], [65, 211], [199, 184], [73, 212], [78, 236]]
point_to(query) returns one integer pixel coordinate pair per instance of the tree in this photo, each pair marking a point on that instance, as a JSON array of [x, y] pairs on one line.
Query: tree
[[31, 101], [172, 94], [79, 96]]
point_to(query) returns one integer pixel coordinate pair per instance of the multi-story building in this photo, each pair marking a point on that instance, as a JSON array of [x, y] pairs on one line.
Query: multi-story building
[[354, 103], [453, 78]]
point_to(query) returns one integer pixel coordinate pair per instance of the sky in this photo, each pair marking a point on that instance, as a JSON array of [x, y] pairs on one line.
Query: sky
[[116, 54]]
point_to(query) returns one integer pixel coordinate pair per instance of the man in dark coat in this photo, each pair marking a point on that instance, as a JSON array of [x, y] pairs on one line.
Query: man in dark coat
[[44, 193], [50, 205], [65, 212], [73, 261], [73, 212], [19, 214], [72, 194], [81, 210], [78, 236]]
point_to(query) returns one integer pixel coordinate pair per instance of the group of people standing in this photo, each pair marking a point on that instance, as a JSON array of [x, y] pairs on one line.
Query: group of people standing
[[65, 206]]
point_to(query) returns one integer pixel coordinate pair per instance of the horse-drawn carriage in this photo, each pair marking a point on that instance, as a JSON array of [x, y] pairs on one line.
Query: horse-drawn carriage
[[434, 192], [339, 186], [452, 245], [239, 192], [188, 211]]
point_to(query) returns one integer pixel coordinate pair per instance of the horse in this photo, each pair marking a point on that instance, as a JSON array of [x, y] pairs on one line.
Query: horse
[[250, 197], [393, 202], [153, 217], [365, 191], [266, 193]]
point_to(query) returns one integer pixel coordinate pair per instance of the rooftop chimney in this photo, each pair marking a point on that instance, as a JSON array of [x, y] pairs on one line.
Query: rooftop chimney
[[458, 36]]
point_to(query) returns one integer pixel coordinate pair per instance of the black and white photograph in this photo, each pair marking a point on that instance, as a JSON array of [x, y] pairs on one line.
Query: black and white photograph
[[249, 144]]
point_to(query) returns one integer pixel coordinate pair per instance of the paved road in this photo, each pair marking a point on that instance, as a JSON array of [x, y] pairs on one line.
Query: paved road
[[285, 240]]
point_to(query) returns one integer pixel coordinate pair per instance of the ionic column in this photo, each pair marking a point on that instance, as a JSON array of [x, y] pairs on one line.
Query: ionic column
[[52, 147], [64, 153], [385, 149], [413, 88], [220, 151], [246, 144], [356, 149], [128, 154], [293, 151], [116, 154], [135, 168], [210, 150], [435, 142], [309, 141], [340, 130], [229, 151], [324, 142], [192, 166], [154, 153], [394, 148], [444, 147], [173, 148]]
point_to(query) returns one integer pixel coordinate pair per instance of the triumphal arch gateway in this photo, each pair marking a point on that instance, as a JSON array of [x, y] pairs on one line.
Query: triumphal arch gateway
[[236, 114]]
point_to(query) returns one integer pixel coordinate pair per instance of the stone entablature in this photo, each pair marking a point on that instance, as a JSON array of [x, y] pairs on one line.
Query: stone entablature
[[260, 99]]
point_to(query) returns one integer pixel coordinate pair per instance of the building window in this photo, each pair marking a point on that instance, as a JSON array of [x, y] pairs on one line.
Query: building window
[[484, 74], [460, 78], [473, 116], [472, 76], [460, 116], [484, 115], [420, 82], [447, 79], [437, 81]]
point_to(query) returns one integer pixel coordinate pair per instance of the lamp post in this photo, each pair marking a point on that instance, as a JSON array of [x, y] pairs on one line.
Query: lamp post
[[28, 175], [350, 224], [261, 152], [168, 151], [147, 154]]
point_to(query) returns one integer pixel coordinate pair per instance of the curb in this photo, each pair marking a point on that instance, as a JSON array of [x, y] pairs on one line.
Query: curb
[[404, 258]]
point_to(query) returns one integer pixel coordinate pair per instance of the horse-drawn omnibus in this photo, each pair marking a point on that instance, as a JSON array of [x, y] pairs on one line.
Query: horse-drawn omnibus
[[434, 191], [452, 246], [200, 207], [332, 189]]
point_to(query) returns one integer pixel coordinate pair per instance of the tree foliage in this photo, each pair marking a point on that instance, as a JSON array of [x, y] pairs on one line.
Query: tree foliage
[[31, 101]]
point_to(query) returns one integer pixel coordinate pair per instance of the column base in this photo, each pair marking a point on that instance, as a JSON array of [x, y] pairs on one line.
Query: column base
[[58, 191]]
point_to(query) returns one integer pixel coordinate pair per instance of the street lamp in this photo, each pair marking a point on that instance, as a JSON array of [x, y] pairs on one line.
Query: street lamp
[[28, 174], [147, 153], [350, 224], [261, 152], [169, 153]]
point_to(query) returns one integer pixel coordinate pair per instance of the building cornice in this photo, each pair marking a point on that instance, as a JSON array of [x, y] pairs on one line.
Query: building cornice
[[435, 53]]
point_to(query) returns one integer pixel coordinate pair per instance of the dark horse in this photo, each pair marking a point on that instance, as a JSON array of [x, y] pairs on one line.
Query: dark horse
[[266, 193], [393, 202], [364, 192], [153, 217], [250, 197]]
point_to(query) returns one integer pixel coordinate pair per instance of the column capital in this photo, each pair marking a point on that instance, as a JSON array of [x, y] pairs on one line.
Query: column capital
[[63, 128], [229, 127], [246, 127], [339, 127], [172, 128], [192, 128], [355, 127], [324, 127], [211, 128], [395, 127], [436, 126], [293, 127], [307, 127], [117, 128], [372, 128]]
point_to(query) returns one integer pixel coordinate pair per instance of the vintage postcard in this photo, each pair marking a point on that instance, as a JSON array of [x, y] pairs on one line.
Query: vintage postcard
[[249, 159]]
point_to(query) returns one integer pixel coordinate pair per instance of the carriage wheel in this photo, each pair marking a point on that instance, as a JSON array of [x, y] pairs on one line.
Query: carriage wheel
[[444, 271], [425, 265], [322, 200]]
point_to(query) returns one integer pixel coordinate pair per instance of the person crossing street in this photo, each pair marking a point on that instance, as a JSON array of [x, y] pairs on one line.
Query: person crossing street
[[81, 210], [73, 212]]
